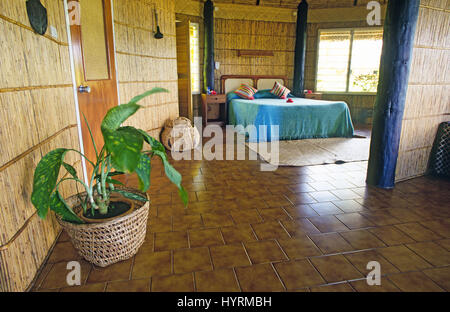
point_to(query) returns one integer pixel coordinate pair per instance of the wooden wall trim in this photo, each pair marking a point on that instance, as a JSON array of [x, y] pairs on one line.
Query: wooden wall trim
[[28, 88], [9, 20], [32, 149], [147, 56]]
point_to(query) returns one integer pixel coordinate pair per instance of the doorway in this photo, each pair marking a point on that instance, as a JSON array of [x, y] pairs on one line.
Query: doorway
[[92, 43]]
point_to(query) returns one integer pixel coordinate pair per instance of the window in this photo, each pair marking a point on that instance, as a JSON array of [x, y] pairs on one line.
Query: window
[[194, 38], [349, 60]]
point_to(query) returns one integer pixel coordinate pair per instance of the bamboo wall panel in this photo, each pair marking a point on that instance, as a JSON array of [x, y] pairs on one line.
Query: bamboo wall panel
[[144, 62], [427, 102], [233, 35], [38, 114]]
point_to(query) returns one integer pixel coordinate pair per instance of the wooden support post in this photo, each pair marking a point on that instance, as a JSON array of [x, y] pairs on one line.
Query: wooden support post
[[399, 30], [208, 66], [300, 49]]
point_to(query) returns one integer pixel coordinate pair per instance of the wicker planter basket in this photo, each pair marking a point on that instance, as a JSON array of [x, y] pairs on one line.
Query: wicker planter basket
[[179, 135], [106, 243]]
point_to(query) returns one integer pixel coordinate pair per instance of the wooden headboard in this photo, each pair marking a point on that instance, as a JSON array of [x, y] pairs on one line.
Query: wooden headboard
[[230, 83]]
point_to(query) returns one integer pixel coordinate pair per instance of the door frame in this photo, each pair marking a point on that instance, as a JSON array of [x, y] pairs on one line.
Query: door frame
[[74, 81]]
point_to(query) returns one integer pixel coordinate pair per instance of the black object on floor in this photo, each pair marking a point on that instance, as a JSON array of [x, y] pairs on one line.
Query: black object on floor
[[440, 155]]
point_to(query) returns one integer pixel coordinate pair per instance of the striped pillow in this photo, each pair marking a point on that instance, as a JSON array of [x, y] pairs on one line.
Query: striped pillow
[[280, 90], [246, 92]]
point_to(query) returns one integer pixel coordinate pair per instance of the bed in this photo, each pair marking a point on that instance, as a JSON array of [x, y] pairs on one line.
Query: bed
[[302, 119]]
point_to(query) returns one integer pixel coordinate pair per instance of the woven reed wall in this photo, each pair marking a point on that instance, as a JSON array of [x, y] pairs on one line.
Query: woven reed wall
[[233, 35], [427, 103], [361, 106], [37, 111], [144, 62]]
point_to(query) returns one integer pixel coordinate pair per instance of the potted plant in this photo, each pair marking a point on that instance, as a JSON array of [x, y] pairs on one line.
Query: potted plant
[[107, 222]]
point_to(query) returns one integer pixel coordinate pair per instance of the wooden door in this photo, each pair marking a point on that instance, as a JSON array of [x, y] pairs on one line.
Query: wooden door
[[184, 70], [95, 72]]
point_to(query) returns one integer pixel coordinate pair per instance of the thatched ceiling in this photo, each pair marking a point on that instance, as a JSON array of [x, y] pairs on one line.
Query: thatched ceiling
[[292, 4]]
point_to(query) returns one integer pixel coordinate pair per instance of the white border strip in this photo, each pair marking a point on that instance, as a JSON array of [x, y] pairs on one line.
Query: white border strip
[[75, 91]]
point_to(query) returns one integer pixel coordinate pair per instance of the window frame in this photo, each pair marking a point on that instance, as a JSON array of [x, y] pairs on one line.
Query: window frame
[[349, 66], [199, 56]]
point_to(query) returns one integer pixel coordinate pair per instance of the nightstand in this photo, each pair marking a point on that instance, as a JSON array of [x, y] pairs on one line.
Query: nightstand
[[218, 99]]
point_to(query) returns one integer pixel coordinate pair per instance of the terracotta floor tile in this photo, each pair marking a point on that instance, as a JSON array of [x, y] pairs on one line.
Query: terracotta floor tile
[[301, 188], [41, 275], [345, 194], [98, 287], [386, 286], [191, 260], [354, 220], [403, 258], [299, 247], [440, 276], [141, 285], [414, 282], [432, 252], [259, 278], [64, 251], [380, 217], [331, 243], [221, 280], [228, 256], [152, 263], [327, 208], [301, 211], [56, 278], [115, 272], [324, 196], [246, 216], [444, 243], [269, 230], [276, 201], [299, 227], [205, 238], [183, 223], [391, 236], [270, 214], [362, 258], [405, 215], [217, 220], [298, 274], [341, 287], [160, 224], [349, 205], [173, 283], [327, 224], [441, 227], [171, 240], [418, 232], [301, 198], [362, 239], [264, 251], [238, 233], [322, 186], [335, 268]]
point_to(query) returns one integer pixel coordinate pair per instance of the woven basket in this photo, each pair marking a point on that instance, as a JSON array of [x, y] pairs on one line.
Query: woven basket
[[179, 135], [106, 243]]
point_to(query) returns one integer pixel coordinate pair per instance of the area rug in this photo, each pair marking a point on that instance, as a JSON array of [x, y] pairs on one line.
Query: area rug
[[313, 151]]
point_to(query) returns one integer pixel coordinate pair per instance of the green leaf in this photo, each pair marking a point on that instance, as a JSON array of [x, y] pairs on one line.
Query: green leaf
[[131, 195], [155, 144], [145, 94], [112, 181], [173, 175], [70, 170], [45, 178], [125, 145], [143, 171], [117, 115], [58, 205]]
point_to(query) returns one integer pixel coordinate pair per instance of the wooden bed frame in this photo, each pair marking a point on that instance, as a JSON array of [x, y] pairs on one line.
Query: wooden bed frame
[[254, 78]]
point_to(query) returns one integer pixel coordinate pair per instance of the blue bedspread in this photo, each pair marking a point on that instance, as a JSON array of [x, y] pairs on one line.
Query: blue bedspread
[[303, 119]]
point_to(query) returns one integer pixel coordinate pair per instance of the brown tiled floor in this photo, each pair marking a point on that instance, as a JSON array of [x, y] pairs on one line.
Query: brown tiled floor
[[295, 229]]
